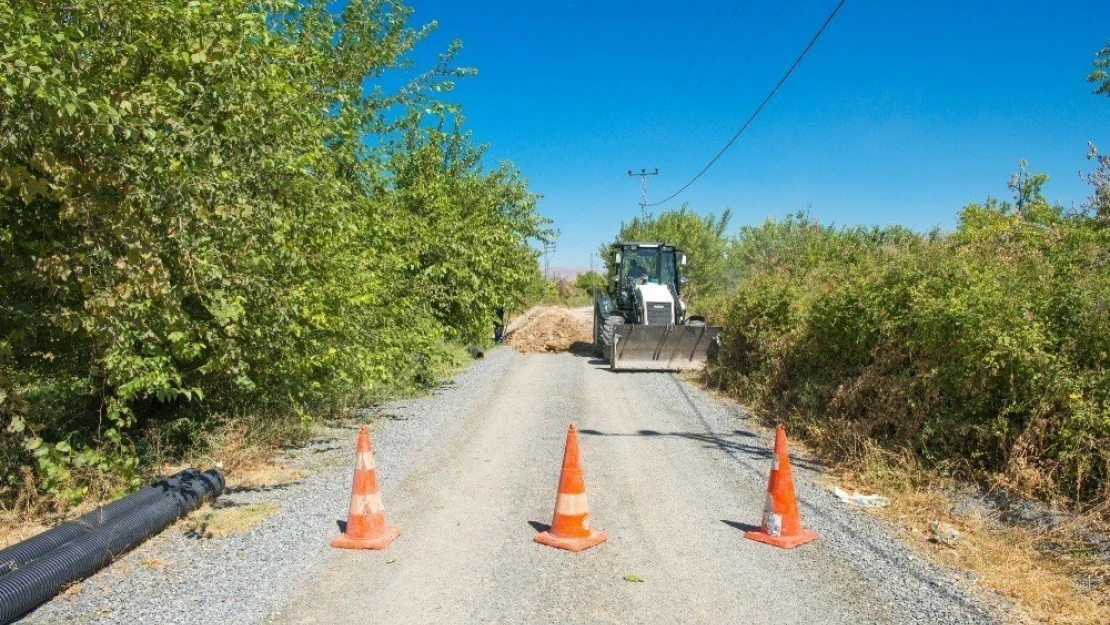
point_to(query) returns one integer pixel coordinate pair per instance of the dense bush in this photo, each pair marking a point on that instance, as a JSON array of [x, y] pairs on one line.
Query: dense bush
[[216, 207], [984, 351]]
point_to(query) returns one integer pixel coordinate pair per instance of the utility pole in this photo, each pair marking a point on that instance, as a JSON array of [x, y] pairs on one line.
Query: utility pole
[[643, 187], [548, 250], [593, 289]]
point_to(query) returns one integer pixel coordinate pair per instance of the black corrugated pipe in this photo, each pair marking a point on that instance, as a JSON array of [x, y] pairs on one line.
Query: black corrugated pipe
[[15, 556], [36, 582]]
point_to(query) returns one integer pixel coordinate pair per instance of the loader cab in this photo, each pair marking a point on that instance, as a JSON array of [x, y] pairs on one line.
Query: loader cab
[[644, 263]]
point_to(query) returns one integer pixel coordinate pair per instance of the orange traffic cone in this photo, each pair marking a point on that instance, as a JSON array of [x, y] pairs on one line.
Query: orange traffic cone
[[366, 526], [782, 526], [570, 526]]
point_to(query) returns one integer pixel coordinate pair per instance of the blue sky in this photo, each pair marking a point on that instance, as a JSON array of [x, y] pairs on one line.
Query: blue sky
[[903, 112]]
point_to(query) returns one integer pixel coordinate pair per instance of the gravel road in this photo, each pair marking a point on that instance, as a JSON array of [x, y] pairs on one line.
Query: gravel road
[[469, 473]]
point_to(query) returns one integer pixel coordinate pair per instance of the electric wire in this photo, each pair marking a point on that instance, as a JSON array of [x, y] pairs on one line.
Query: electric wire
[[760, 108], [705, 37], [751, 51]]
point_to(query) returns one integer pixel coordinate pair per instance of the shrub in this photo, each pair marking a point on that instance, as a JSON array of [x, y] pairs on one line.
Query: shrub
[[985, 351], [217, 208]]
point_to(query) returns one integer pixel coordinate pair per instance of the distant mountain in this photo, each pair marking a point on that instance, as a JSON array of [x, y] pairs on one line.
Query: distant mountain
[[567, 271]]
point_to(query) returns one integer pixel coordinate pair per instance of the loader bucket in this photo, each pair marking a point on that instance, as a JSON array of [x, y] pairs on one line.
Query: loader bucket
[[661, 348]]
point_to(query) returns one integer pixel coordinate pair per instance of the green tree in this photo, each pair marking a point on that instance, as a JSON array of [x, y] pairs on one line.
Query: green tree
[[1100, 76], [216, 206], [588, 281], [703, 239], [1099, 179], [466, 231]]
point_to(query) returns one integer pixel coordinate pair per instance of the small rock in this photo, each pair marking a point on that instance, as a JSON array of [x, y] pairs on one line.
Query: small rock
[[944, 533]]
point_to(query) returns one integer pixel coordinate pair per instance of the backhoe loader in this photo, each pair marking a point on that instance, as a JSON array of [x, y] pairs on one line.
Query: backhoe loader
[[640, 322]]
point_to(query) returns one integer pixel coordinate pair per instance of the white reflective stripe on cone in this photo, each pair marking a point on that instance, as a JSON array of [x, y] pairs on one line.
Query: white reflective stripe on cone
[[367, 504], [571, 504], [365, 461]]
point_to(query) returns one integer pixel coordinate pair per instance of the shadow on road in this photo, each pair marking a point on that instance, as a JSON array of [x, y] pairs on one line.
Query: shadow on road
[[584, 349], [743, 527], [262, 488], [732, 442]]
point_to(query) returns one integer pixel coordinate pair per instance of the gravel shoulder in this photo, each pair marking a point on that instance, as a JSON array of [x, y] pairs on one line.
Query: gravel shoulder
[[245, 578], [468, 473]]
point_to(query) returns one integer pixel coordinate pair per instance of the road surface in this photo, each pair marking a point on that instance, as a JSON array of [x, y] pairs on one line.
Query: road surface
[[673, 476]]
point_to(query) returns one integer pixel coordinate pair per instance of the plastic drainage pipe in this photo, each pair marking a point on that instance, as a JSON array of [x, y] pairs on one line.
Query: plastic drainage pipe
[[15, 556], [38, 581]]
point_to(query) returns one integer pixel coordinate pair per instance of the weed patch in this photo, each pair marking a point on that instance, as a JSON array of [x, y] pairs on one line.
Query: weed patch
[[1056, 573], [221, 521]]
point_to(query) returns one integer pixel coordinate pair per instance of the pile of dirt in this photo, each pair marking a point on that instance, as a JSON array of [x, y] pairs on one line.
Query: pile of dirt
[[547, 329]]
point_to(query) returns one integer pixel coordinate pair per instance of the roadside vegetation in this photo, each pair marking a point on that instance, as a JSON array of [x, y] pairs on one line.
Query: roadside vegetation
[[219, 214], [984, 352], [920, 361]]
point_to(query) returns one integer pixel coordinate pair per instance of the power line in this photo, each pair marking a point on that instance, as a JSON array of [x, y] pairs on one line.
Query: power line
[[608, 193], [688, 80], [705, 37], [759, 109], [735, 69]]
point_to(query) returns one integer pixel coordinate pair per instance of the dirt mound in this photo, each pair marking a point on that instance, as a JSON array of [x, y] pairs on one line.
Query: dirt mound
[[548, 329]]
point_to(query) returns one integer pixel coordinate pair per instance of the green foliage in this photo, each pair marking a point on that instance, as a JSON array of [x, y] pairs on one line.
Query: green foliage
[[985, 351], [1099, 202], [463, 232], [588, 281], [703, 239], [215, 207], [1099, 76]]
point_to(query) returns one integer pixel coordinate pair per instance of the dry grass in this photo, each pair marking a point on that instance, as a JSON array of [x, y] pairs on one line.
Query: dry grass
[[15, 527], [246, 445], [246, 450], [220, 522], [23, 522], [1049, 575], [265, 476]]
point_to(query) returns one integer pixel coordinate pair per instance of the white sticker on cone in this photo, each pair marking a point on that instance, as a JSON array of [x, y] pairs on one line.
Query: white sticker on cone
[[772, 524]]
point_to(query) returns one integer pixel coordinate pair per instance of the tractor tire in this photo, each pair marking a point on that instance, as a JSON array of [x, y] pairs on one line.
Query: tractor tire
[[597, 330], [606, 329]]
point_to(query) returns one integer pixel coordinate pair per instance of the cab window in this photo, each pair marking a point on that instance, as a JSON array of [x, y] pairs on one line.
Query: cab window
[[641, 263], [669, 271]]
